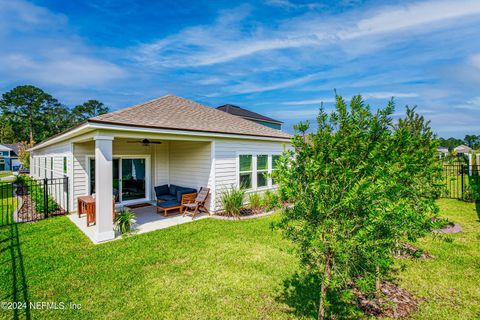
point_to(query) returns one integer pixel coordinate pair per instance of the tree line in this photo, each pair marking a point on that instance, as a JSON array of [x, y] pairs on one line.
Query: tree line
[[471, 140], [28, 113]]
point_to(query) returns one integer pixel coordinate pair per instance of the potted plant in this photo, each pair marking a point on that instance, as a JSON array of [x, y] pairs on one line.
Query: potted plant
[[125, 221]]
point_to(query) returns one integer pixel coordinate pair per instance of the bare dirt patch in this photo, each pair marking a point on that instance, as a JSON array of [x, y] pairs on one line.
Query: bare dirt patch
[[392, 301], [409, 251]]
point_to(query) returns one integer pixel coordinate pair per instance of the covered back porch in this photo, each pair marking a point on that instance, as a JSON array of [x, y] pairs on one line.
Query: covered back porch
[[120, 169]]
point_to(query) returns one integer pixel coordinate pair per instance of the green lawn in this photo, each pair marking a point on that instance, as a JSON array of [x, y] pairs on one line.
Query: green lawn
[[8, 203], [209, 269], [450, 283], [5, 174]]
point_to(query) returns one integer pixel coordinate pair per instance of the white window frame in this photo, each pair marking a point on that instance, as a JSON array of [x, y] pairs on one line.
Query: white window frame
[[238, 172], [254, 169], [257, 171], [271, 169]]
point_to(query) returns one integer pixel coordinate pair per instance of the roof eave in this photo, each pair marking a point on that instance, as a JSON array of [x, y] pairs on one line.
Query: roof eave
[[190, 131], [99, 124]]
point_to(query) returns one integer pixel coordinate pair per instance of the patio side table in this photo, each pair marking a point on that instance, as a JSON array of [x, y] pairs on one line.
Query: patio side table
[[86, 204]]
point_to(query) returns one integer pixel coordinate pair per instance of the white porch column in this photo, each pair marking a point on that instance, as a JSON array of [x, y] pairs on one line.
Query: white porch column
[[103, 187]]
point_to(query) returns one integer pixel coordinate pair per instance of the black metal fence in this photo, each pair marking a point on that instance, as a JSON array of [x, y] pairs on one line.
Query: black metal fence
[[462, 181], [29, 199]]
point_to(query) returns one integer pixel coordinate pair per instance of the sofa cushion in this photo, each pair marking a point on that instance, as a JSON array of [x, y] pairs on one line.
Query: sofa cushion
[[173, 189], [181, 191], [166, 197], [169, 204], [161, 190]]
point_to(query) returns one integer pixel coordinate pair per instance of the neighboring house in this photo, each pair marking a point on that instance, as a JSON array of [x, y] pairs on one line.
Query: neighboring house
[[442, 152], [252, 116], [9, 157], [463, 149], [169, 140]]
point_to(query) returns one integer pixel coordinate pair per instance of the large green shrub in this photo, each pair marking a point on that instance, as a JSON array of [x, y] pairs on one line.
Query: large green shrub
[[232, 200], [359, 184]]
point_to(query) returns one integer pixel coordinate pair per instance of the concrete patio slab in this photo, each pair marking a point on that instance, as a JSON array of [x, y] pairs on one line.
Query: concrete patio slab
[[146, 220]]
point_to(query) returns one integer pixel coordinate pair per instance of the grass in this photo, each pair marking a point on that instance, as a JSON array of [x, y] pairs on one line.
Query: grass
[[5, 174], [210, 269], [449, 284], [8, 203]]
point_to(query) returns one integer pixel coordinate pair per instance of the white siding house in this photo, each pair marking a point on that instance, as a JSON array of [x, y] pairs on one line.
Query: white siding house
[[169, 140]]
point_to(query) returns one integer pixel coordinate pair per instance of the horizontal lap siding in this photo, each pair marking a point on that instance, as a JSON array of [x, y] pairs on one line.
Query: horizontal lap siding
[[226, 160], [55, 154], [189, 163], [160, 165], [80, 178]]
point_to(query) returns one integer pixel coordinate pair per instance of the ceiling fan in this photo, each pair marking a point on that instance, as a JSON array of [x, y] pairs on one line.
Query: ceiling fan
[[145, 142]]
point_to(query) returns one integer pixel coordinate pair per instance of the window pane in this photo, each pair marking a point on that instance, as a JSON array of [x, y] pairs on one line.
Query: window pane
[[133, 179], [261, 179], [246, 163], [262, 162], [245, 180], [92, 176], [64, 165], [274, 161]]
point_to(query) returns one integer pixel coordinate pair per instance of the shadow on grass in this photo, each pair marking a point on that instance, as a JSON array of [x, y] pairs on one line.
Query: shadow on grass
[[17, 281], [301, 293]]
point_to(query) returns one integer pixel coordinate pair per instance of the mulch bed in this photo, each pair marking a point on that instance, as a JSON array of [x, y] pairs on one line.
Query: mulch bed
[[27, 211], [408, 251], [245, 214], [449, 229], [393, 302]]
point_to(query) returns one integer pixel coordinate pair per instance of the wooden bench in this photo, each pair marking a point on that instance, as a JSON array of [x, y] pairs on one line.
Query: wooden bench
[[173, 205]]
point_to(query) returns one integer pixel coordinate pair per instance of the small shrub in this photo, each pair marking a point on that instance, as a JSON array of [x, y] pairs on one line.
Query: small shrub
[[255, 201], [271, 200], [36, 191], [232, 200], [471, 193], [439, 223], [125, 221]]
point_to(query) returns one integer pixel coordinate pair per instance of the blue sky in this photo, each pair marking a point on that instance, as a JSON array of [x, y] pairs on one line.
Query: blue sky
[[277, 57]]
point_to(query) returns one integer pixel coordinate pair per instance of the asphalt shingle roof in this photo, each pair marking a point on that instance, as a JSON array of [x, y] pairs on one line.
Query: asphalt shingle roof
[[173, 112], [236, 110]]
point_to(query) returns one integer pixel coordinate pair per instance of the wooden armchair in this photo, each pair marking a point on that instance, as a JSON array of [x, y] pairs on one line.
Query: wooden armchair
[[198, 204]]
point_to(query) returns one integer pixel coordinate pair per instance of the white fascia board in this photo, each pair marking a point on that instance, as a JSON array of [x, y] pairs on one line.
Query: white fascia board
[[105, 126], [114, 127]]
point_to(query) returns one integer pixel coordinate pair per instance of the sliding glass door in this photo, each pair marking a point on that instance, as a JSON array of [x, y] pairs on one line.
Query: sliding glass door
[[133, 179], [129, 178]]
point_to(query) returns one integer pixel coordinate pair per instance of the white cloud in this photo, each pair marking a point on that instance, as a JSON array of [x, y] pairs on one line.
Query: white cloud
[[475, 60], [252, 88], [296, 114], [388, 95], [21, 15], [39, 47], [396, 18], [224, 40], [307, 102], [367, 95], [291, 5], [68, 69]]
